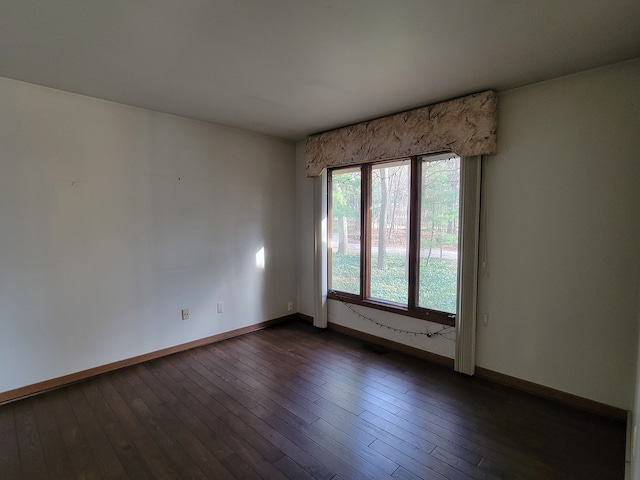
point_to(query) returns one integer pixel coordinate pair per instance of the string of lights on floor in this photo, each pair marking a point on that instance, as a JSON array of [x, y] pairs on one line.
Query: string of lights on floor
[[443, 332]]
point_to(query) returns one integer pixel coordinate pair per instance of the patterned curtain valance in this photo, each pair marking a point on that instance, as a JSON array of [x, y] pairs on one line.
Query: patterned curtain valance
[[465, 126]]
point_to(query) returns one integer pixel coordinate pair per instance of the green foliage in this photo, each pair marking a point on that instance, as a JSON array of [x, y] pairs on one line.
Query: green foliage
[[440, 199], [390, 187], [345, 191], [390, 283], [438, 284], [345, 273], [437, 288]]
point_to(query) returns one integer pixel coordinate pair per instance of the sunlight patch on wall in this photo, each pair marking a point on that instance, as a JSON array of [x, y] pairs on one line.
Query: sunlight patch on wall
[[260, 259]]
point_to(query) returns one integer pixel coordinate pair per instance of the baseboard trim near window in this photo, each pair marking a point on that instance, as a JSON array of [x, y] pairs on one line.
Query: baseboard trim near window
[[552, 394], [569, 399], [41, 387], [306, 318], [399, 347]]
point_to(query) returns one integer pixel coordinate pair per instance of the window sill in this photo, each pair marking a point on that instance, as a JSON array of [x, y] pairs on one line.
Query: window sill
[[420, 314]]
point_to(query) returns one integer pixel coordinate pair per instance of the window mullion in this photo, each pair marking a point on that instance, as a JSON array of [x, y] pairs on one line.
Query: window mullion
[[329, 230], [414, 231], [365, 228]]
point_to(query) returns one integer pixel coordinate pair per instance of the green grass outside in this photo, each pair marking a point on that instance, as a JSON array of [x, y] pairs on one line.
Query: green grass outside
[[438, 280]]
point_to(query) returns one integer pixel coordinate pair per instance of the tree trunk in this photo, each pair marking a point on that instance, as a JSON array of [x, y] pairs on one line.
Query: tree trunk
[[426, 263], [382, 223], [396, 196], [343, 235]]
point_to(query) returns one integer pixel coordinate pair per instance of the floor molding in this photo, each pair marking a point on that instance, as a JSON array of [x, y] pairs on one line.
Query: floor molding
[[486, 374], [569, 399], [400, 347], [552, 394], [40, 387], [306, 318]]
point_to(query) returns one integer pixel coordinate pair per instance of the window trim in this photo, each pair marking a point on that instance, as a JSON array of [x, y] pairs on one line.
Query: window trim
[[411, 309]]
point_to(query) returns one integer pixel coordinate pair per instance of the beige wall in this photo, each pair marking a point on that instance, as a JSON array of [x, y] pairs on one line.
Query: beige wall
[[305, 237], [115, 218], [562, 238]]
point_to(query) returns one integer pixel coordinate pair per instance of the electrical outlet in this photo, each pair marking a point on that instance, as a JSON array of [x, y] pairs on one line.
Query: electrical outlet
[[289, 306], [485, 320], [185, 314], [220, 307]]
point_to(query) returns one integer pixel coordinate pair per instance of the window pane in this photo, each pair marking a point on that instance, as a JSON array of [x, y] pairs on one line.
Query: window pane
[[438, 273], [390, 185], [345, 230]]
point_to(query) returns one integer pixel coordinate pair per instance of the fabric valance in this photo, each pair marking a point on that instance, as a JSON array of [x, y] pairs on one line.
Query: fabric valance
[[465, 126]]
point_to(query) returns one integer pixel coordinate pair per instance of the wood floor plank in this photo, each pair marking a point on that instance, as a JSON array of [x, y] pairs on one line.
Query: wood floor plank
[[292, 470], [124, 447], [314, 447], [273, 359], [259, 387], [359, 446], [236, 433], [192, 405], [307, 462], [274, 380], [461, 464], [295, 402], [404, 474], [10, 458], [361, 424], [353, 369], [443, 438], [59, 465], [7, 419], [155, 460], [348, 389], [374, 462], [82, 458], [31, 454], [162, 405], [237, 409], [310, 386], [162, 432], [264, 465], [104, 454]]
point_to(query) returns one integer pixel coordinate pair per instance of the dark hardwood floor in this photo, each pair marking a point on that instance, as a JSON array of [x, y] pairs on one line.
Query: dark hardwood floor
[[293, 402]]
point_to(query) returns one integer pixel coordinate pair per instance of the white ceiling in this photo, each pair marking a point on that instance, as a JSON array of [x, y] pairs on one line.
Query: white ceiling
[[290, 68]]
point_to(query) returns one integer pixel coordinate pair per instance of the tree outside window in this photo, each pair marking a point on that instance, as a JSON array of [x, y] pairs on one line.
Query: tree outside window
[[385, 214]]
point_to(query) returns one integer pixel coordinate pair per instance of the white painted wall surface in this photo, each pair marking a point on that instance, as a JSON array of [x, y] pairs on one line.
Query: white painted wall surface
[[563, 235], [113, 219], [306, 237], [562, 239]]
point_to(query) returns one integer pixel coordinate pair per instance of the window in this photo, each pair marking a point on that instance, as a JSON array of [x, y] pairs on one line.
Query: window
[[394, 235]]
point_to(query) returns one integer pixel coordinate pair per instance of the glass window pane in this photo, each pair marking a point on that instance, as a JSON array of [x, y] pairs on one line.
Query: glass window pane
[[439, 217], [390, 186], [345, 230]]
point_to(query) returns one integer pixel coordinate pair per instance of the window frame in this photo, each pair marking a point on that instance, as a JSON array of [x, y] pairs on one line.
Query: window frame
[[412, 309]]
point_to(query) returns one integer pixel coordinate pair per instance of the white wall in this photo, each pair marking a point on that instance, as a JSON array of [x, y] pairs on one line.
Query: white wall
[[562, 238], [306, 237], [113, 219]]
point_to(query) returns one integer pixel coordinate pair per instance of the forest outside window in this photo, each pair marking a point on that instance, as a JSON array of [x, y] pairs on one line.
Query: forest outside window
[[394, 235]]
